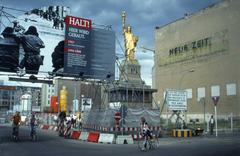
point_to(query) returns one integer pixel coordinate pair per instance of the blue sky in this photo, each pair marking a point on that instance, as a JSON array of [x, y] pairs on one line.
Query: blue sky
[[142, 15]]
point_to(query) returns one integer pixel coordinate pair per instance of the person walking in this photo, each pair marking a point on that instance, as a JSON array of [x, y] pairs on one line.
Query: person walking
[[16, 123], [211, 124], [33, 124]]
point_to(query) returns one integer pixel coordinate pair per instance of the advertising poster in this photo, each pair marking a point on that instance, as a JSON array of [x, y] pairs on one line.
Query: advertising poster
[[68, 46], [77, 45]]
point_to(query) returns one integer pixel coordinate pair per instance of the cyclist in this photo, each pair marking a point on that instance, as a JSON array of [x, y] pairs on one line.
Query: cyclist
[[146, 132], [33, 123], [16, 122]]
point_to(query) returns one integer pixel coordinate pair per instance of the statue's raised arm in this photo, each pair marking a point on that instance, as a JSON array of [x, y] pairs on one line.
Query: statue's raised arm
[[123, 21]]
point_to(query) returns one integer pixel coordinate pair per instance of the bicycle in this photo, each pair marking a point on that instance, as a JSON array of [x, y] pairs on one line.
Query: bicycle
[[145, 143], [15, 133]]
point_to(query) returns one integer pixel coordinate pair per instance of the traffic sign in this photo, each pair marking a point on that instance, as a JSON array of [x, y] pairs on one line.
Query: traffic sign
[[215, 100]]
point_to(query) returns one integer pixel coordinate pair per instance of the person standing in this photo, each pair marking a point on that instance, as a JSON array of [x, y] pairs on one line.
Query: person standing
[[211, 124], [33, 124], [74, 120], [79, 123]]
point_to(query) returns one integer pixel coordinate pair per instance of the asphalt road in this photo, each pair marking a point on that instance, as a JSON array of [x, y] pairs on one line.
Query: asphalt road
[[49, 144]]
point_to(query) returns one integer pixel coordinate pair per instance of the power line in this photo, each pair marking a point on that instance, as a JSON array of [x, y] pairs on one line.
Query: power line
[[9, 8]]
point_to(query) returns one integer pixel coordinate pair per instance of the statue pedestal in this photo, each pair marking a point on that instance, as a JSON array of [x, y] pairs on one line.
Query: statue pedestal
[[130, 71], [131, 90]]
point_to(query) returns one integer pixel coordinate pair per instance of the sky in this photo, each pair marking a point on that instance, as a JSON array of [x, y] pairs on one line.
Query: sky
[[142, 15]]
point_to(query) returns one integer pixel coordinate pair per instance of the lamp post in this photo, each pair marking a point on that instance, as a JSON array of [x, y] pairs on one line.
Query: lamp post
[[203, 102], [57, 90], [75, 101], [180, 88], [215, 101], [143, 95], [144, 49], [147, 49], [18, 95], [181, 78]]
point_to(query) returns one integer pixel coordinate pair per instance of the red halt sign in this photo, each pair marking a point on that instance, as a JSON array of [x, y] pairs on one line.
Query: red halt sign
[[215, 100], [78, 22]]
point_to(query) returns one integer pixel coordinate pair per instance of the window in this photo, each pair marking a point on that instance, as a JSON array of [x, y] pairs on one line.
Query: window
[[189, 93], [231, 89], [215, 91], [200, 93]]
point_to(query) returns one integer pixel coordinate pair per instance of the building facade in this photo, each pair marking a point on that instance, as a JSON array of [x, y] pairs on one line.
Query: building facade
[[80, 90], [200, 54], [7, 97], [11, 97]]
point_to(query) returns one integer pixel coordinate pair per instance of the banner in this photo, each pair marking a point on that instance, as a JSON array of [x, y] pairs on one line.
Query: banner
[[54, 105]]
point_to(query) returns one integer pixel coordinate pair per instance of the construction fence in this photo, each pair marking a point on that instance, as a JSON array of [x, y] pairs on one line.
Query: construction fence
[[103, 120]]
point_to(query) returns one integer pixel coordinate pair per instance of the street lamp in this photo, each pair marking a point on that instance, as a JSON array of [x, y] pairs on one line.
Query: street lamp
[[143, 95], [144, 49], [202, 101], [147, 49], [179, 87], [181, 78]]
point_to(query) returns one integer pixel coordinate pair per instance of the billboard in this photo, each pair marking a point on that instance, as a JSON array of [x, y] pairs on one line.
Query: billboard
[[102, 54], [8, 54], [88, 51], [26, 45], [21, 50], [176, 99], [78, 49], [77, 45]]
